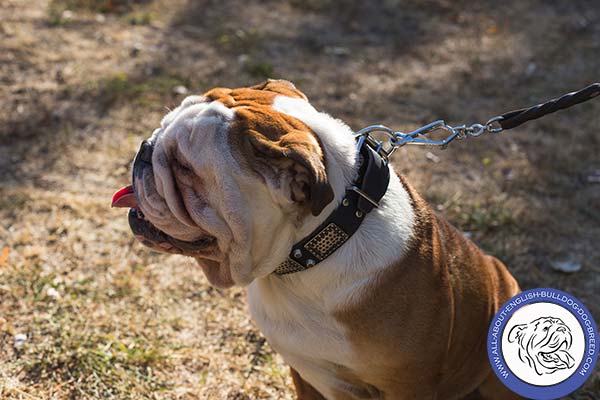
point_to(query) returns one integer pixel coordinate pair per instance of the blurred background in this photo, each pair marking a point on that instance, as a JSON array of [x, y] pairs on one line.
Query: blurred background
[[87, 313]]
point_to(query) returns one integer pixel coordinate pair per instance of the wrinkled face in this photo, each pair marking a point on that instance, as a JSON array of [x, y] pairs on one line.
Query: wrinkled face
[[225, 179], [544, 344]]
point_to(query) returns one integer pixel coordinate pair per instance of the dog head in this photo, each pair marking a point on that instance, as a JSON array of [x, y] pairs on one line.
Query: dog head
[[544, 344], [228, 179]]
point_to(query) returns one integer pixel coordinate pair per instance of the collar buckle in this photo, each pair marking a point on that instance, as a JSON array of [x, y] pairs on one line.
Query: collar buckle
[[364, 196]]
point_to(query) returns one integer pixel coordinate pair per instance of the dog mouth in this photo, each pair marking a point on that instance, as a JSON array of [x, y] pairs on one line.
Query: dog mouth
[[142, 228]]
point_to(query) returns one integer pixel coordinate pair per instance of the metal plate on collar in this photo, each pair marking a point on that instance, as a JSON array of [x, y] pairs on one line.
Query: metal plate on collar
[[289, 266], [326, 241]]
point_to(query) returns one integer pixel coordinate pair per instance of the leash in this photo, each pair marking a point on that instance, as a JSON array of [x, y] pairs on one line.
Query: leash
[[496, 124]]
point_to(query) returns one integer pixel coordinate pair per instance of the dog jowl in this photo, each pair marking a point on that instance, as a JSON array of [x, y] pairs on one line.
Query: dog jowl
[[236, 178]]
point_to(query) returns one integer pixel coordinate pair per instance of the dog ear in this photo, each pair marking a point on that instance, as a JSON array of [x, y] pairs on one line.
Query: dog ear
[[516, 333], [298, 156]]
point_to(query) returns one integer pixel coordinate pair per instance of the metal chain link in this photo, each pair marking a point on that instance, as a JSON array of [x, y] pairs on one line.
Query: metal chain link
[[398, 139], [496, 124]]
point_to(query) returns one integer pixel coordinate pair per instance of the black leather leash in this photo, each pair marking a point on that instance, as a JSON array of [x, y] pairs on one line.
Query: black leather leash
[[515, 118]]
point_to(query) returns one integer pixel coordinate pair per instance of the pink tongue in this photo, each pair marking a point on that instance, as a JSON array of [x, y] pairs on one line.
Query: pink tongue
[[124, 198]]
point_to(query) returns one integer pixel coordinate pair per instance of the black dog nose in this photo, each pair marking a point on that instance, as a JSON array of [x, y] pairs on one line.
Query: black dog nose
[[145, 152], [142, 159]]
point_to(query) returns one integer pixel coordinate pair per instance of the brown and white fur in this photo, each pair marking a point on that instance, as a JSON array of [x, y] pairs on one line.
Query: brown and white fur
[[400, 311]]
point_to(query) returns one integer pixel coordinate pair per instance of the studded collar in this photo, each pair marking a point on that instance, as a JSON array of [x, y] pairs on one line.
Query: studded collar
[[360, 198]]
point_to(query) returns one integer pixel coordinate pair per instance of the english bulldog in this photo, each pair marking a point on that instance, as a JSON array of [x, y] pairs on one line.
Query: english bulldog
[[396, 307], [544, 344]]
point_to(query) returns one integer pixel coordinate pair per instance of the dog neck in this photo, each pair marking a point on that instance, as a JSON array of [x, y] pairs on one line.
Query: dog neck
[[383, 236], [362, 196]]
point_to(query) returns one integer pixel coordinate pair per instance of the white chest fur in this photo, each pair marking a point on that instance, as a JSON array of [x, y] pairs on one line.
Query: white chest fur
[[295, 312]]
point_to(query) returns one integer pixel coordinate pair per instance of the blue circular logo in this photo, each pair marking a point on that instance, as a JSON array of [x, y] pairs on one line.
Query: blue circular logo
[[542, 344]]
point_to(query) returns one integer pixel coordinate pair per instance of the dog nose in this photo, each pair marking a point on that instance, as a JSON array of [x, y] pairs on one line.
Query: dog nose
[[145, 152], [143, 158]]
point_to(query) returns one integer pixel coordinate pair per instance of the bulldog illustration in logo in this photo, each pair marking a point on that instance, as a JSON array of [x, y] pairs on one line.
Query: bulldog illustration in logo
[[544, 344]]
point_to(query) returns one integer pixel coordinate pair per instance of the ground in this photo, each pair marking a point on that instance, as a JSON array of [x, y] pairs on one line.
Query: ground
[[87, 313]]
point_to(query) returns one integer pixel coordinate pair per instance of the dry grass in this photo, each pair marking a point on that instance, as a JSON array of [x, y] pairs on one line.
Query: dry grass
[[82, 82]]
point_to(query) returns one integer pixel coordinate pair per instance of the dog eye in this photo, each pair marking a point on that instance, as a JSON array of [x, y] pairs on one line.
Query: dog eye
[[546, 329], [182, 168]]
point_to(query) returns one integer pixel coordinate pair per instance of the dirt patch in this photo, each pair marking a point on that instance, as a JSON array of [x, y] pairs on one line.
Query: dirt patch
[[83, 82]]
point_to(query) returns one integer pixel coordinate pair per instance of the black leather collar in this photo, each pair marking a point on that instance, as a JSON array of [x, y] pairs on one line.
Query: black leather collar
[[361, 197]]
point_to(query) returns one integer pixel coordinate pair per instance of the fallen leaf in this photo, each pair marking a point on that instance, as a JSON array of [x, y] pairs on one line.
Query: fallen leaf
[[4, 255], [492, 29], [19, 339], [567, 267], [591, 176], [432, 157]]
